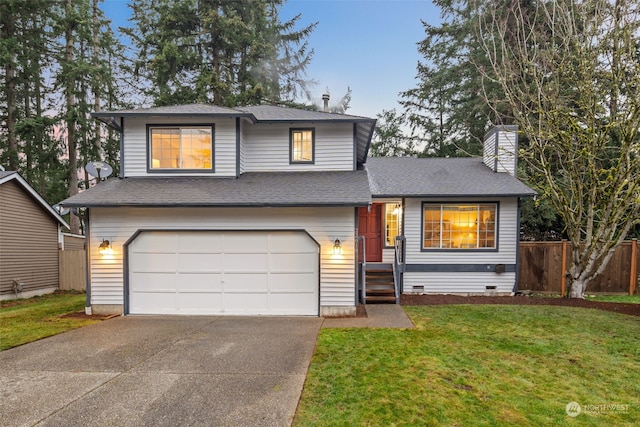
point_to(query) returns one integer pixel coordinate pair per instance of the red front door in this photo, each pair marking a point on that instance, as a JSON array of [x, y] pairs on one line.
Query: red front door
[[370, 226]]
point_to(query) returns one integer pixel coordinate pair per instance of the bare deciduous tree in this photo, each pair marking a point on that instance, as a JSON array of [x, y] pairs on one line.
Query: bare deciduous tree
[[570, 71]]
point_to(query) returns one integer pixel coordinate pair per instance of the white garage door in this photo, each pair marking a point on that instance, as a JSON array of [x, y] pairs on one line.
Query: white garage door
[[223, 272]]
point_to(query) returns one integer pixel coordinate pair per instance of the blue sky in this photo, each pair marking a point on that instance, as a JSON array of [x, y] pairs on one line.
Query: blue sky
[[367, 45]]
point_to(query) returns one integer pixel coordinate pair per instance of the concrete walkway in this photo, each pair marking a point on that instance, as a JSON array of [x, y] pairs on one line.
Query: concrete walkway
[[378, 316], [161, 371]]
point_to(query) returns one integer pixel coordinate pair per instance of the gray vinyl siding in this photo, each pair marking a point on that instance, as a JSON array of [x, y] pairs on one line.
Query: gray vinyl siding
[[135, 145], [267, 147], [461, 282], [28, 242], [388, 255], [337, 274], [458, 283]]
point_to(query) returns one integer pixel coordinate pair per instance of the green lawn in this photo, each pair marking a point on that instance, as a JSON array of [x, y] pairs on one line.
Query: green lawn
[[478, 365], [23, 321]]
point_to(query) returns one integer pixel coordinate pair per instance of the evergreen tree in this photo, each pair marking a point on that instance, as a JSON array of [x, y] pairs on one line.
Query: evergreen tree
[[216, 51], [83, 78], [447, 111], [389, 137]]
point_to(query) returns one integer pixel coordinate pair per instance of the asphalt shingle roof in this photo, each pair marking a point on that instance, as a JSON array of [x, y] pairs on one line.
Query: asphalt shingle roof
[[251, 189], [6, 173], [269, 113], [439, 177], [266, 113], [174, 110]]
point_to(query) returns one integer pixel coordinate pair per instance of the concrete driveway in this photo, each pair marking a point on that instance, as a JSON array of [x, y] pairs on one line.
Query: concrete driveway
[[161, 371]]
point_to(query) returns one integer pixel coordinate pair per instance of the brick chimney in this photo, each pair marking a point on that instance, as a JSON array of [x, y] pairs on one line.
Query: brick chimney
[[325, 98], [500, 149]]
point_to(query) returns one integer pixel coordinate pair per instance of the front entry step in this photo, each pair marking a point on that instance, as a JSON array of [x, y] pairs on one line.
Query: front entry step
[[380, 286]]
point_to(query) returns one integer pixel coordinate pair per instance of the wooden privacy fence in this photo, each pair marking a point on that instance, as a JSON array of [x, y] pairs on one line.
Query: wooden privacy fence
[[72, 269], [543, 266]]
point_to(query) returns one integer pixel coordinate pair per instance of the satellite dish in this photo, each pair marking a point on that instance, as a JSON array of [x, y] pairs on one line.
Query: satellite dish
[[61, 210], [100, 170]]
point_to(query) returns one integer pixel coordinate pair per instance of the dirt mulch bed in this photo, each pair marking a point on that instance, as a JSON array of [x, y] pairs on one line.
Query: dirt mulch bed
[[623, 308]]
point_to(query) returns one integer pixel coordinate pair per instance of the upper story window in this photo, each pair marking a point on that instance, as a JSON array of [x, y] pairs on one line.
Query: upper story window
[[302, 145], [181, 148], [459, 226]]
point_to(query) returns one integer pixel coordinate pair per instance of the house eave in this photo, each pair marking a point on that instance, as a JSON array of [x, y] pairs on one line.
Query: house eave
[[106, 116], [460, 196], [218, 205]]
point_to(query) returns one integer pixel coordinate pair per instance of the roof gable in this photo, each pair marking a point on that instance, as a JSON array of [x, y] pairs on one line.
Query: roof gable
[[6, 176]]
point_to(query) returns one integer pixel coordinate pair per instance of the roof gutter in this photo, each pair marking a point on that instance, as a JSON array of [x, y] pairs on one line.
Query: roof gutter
[[108, 117], [453, 196], [200, 205]]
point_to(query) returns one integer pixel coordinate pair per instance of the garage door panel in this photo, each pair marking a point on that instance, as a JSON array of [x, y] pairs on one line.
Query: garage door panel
[[295, 282], [282, 242], [154, 282], [197, 242], [223, 272], [246, 242], [291, 262], [245, 282], [154, 303], [155, 242], [249, 262], [210, 282], [158, 262], [195, 262]]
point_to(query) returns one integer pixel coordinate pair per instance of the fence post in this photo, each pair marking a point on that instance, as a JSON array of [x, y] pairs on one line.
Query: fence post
[[563, 278], [633, 275]]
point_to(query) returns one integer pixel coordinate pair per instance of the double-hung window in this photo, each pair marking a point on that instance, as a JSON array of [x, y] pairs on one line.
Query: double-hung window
[[459, 226], [181, 148], [301, 145]]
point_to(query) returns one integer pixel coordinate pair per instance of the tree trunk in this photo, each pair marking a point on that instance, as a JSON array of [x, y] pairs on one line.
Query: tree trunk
[[577, 289], [95, 60], [70, 121], [10, 93]]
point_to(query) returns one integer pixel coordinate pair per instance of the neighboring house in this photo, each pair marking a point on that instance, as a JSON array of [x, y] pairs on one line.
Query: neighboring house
[[30, 238], [256, 210]]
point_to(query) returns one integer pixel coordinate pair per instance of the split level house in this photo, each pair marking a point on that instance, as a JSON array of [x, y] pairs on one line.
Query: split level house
[[267, 210]]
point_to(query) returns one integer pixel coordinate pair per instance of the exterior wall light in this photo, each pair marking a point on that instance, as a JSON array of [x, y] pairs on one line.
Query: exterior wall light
[[337, 247], [105, 248]]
